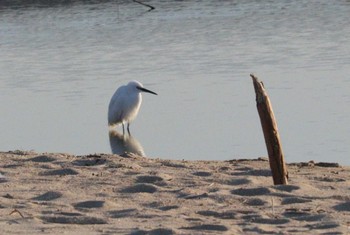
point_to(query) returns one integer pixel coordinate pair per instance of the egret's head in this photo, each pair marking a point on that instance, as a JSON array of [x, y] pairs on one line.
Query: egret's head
[[139, 87]]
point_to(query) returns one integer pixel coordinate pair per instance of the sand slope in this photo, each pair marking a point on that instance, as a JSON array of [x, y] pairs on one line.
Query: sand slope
[[110, 194]]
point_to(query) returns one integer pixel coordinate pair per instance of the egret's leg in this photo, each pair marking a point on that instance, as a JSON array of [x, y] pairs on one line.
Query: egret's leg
[[128, 128], [123, 128]]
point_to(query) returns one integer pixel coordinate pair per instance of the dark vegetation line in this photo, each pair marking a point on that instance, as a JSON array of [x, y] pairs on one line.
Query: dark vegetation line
[[144, 4], [52, 3]]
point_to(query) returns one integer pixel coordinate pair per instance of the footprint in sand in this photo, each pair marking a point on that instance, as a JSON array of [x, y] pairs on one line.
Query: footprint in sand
[[292, 200], [59, 172], [88, 204], [286, 188], [42, 158], [304, 216], [61, 217], [167, 208], [345, 206], [255, 202], [270, 221], [140, 188], [48, 196], [219, 215], [238, 181], [158, 231], [193, 196], [251, 191], [73, 220], [89, 162], [323, 225], [202, 173], [151, 179], [160, 206], [122, 213], [254, 172], [208, 227], [163, 231]]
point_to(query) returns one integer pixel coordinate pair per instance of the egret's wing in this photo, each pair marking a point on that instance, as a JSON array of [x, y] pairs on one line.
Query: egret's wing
[[116, 107]]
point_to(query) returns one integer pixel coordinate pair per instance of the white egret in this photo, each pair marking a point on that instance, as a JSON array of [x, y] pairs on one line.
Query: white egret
[[125, 104]]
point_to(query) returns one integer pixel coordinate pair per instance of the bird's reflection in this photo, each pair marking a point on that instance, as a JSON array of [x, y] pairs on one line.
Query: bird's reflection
[[123, 144]]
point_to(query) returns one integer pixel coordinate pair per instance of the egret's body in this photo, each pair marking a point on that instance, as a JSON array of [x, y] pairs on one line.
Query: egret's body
[[125, 104]]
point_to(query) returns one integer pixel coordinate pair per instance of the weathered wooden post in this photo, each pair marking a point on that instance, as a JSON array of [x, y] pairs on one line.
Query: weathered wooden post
[[272, 138]]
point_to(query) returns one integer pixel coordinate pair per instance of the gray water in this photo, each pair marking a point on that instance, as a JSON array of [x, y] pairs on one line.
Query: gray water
[[60, 65]]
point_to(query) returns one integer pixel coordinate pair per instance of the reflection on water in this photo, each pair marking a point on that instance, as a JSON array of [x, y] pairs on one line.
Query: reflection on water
[[62, 60], [122, 144]]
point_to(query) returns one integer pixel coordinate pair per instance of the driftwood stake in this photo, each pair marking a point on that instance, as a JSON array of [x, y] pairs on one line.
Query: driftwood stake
[[272, 138]]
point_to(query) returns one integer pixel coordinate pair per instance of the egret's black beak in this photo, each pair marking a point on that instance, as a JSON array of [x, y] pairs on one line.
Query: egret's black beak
[[146, 90]]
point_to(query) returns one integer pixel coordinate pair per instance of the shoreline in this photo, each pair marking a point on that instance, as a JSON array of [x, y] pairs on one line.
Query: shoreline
[[51, 193]]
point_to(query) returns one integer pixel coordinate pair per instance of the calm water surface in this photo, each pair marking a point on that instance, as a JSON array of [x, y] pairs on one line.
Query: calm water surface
[[60, 65]]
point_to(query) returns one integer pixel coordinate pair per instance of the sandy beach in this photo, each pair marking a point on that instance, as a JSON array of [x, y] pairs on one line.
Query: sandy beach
[[53, 193]]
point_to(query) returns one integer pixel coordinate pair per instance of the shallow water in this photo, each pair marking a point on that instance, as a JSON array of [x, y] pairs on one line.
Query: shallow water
[[60, 65]]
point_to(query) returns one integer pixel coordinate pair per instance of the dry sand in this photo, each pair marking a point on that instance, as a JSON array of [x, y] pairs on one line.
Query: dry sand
[[109, 194]]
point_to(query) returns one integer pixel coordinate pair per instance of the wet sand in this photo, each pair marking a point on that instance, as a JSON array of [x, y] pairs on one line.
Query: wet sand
[[55, 193]]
